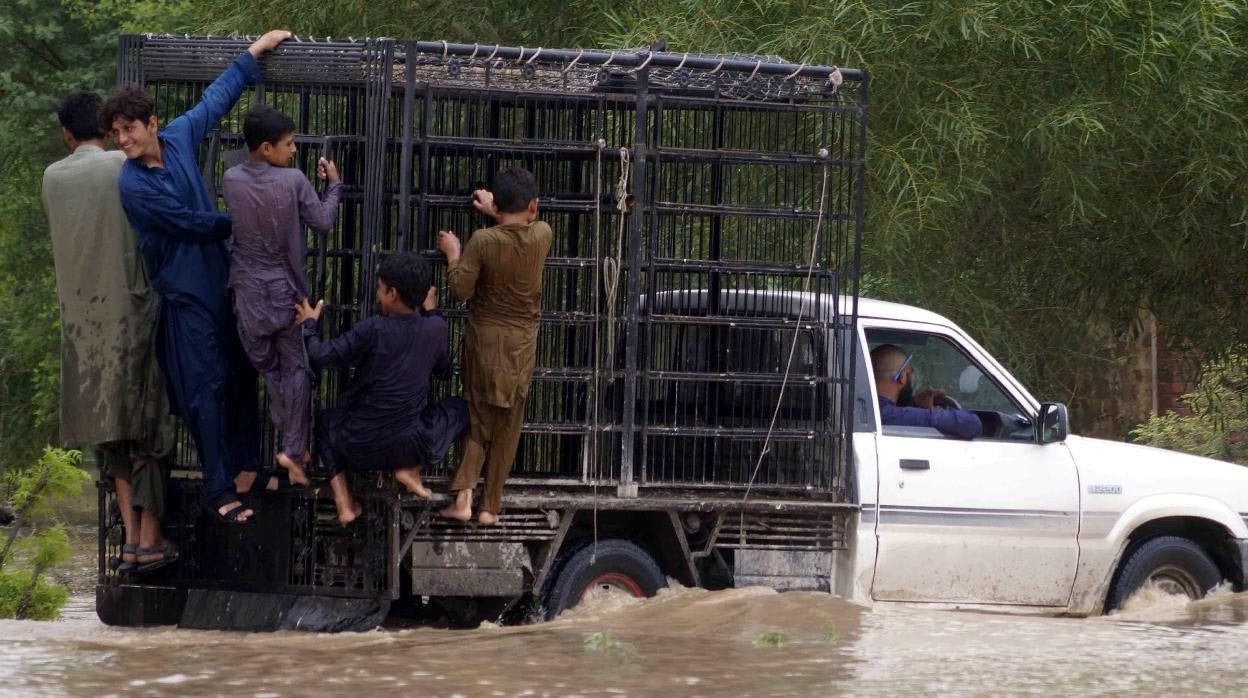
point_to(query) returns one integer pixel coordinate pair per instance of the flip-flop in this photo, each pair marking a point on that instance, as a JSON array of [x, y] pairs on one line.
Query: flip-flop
[[169, 555]]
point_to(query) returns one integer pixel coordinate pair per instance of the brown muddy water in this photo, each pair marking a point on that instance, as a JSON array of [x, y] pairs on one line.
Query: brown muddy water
[[683, 642]]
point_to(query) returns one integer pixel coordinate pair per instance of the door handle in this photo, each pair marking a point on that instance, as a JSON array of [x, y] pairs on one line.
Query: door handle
[[912, 464]]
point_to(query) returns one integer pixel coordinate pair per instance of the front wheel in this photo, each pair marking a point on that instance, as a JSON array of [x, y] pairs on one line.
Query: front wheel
[[616, 565], [1172, 564]]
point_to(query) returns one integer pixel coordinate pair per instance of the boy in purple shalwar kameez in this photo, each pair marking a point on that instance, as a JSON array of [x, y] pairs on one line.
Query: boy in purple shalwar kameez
[[270, 203]]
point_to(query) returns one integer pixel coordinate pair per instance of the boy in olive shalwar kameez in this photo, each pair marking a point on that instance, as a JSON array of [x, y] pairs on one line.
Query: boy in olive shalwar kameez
[[500, 275], [112, 396]]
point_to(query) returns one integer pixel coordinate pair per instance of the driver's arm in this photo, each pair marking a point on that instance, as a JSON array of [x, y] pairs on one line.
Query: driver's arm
[[957, 422]]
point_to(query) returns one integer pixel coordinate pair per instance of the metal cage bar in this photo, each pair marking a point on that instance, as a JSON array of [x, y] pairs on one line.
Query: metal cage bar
[[728, 156]]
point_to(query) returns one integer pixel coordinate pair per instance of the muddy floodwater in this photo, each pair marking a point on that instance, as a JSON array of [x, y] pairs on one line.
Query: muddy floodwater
[[683, 642]]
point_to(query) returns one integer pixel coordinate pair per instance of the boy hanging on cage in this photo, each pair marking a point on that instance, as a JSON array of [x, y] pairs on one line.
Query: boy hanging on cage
[[383, 420], [210, 383], [270, 203], [499, 273]]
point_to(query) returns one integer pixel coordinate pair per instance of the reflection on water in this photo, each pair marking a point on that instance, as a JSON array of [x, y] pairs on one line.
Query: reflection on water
[[684, 642]]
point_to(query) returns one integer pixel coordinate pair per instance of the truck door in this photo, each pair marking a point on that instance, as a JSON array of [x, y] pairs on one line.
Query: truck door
[[992, 520]]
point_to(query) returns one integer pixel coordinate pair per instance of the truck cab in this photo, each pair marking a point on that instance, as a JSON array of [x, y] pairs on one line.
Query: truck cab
[[1025, 515]]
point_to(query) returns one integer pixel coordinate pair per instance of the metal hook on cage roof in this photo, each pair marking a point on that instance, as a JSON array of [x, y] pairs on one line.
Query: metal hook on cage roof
[[445, 47], [755, 72], [574, 62], [649, 57], [521, 57], [718, 67], [534, 56], [609, 59], [682, 62], [475, 48], [793, 74], [492, 54]]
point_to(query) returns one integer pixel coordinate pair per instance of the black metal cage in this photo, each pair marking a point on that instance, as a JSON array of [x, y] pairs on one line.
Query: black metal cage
[[707, 213]]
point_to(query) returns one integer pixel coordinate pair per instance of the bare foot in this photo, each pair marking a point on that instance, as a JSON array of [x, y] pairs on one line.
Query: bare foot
[[485, 518], [461, 509], [410, 478], [297, 475], [349, 513]]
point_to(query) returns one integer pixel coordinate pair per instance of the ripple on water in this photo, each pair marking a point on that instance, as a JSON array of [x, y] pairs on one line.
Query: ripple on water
[[682, 642]]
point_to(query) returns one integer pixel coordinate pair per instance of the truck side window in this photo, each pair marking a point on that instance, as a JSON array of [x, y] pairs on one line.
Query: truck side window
[[941, 364]]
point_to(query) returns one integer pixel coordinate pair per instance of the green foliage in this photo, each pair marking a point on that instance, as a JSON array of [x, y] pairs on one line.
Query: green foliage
[[1038, 171], [772, 639], [1216, 424], [45, 601], [55, 477], [43, 54], [34, 491], [48, 548], [830, 636], [601, 642]]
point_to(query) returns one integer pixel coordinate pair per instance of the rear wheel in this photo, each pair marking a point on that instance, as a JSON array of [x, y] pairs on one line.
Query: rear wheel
[[617, 565], [1172, 564]]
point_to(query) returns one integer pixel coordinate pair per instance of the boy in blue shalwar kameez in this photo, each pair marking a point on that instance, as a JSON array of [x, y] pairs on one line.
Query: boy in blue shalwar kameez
[[182, 238]]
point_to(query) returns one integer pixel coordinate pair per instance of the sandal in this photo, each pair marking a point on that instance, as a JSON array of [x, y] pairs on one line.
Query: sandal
[[127, 566], [168, 555], [266, 477], [234, 516]]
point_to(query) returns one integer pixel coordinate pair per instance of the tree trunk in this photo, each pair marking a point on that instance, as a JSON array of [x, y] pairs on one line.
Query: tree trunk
[[20, 515], [23, 606]]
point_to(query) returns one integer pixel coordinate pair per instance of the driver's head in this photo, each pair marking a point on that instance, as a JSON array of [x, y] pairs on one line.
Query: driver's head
[[892, 373]]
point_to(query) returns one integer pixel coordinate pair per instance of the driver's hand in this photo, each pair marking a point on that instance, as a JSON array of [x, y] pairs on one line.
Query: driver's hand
[[927, 397]]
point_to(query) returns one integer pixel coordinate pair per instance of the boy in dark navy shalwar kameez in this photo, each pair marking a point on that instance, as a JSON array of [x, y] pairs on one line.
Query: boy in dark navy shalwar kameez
[[383, 420], [182, 239]]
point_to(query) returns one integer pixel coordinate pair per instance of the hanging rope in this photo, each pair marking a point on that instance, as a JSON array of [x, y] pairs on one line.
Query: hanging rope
[[797, 325], [611, 264]]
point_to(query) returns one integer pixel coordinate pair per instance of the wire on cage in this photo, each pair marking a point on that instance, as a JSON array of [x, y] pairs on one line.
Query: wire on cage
[[649, 57]]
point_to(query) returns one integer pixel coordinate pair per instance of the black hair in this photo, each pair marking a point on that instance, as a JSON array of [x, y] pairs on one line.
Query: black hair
[[129, 103], [264, 124], [409, 274], [79, 114], [513, 189]]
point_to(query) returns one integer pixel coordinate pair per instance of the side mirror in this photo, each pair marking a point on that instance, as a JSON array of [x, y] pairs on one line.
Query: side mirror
[[1053, 424]]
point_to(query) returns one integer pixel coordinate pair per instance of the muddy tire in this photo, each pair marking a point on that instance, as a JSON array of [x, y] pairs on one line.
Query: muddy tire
[[618, 564], [1176, 565]]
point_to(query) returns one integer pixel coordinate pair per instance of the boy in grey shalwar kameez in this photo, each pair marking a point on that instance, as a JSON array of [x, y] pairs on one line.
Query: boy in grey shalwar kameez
[[270, 203]]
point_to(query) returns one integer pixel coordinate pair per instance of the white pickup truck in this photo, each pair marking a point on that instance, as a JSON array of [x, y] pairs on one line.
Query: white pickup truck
[[1024, 517]]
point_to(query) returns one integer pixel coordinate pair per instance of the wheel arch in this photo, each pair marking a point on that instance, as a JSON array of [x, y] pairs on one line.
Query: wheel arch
[[1214, 537], [656, 532]]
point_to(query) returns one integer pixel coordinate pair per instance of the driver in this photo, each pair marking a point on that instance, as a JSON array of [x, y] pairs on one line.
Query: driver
[[892, 378]]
